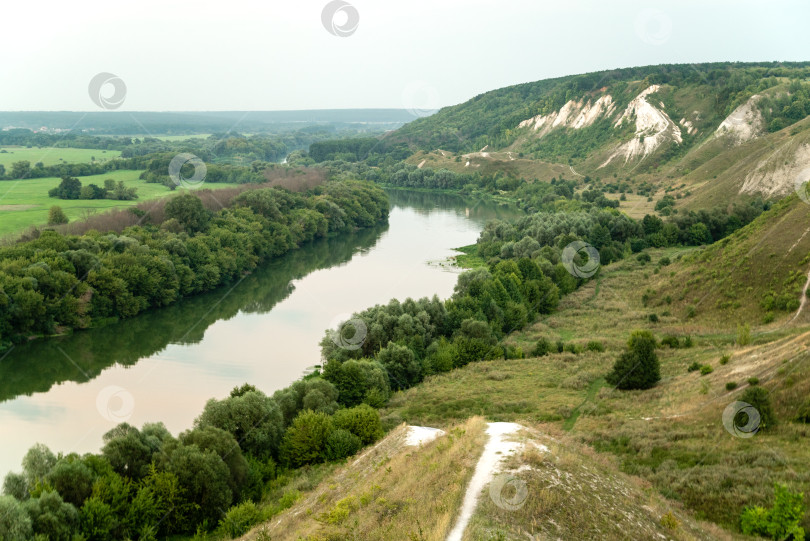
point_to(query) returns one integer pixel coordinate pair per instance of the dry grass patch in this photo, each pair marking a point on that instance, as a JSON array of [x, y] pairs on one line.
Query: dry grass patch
[[389, 492]]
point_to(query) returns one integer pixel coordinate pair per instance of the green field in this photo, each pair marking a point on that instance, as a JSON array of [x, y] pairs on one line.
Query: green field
[[26, 203], [53, 156]]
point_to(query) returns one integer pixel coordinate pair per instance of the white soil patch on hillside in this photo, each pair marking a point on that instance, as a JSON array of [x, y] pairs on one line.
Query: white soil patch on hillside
[[496, 450], [419, 435], [744, 123], [776, 175], [653, 128], [574, 114], [421, 164]]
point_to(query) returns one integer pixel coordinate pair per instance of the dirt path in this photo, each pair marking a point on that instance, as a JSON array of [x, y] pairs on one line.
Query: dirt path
[[496, 449]]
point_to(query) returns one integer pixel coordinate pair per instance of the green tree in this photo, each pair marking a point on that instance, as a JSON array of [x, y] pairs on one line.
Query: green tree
[[189, 211], [760, 399], [638, 367], [72, 479], [363, 421], [401, 365], [341, 443], [254, 419], [782, 521], [53, 517], [97, 521], [57, 216], [21, 169], [69, 188], [305, 439], [15, 524]]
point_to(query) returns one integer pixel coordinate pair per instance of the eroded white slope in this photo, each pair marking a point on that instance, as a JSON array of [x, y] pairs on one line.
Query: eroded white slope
[[744, 123], [574, 114], [653, 128]]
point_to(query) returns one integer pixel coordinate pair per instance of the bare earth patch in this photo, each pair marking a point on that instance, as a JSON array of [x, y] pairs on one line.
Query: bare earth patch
[[18, 207]]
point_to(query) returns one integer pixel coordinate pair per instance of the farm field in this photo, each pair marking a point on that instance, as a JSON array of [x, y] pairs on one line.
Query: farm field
[[54, 155], [26, 203]]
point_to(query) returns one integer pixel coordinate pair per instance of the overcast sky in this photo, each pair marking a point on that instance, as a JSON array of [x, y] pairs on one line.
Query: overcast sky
[[178, 55]]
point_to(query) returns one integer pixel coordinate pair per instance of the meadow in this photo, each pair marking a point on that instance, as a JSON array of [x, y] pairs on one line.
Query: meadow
[[53, 155], [25, 203]]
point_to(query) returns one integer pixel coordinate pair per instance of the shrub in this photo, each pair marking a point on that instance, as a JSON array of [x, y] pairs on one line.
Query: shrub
[[595, 345], [643, 258], [653, 318], [664, 261], [803, 415], [638, 367], [694, 367], [725, 359], [363, 421], [779, 522], [342, 443], [759, 398], [671, 341], [731, 385], [706, 369], [57, 216], [753, 381], [743, 335], [560, 346], [691, 311], [573, 348], [542, 348], [239, 519]]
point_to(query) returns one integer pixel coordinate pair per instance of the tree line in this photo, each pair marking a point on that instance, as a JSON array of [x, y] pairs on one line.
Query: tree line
[[71, 282]]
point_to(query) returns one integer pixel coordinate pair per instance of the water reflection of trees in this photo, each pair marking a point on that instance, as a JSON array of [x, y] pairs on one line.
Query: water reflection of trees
[[470, 207], [35, 367]]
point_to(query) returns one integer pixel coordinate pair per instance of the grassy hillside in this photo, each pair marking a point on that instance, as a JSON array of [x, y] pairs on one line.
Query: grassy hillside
[[756, 276], [53, 156]]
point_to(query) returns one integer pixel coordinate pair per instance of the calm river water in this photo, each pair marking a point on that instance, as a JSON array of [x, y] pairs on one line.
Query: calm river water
[[265, 330]]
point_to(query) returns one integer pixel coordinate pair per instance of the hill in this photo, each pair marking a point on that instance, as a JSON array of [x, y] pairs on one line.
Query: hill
[[708, 132]]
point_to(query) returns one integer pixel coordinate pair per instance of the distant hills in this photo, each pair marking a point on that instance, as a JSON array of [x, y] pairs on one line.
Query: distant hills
[[138, 122]]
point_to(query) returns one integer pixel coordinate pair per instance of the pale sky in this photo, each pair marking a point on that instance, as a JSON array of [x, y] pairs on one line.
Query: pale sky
[[179, 55]]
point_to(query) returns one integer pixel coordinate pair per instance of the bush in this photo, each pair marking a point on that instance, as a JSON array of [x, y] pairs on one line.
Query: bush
[[638, 367], [725, 359], [595, 345], [363, 421], [779, 522], [743, 335], [803, 415], [542, 348], [643, 258], [653, 318], [759, 398], [341, 443], [731, 385], [239, 519], [57, 216], [694, 367], [753, 381], [671, 341], [706, 370]]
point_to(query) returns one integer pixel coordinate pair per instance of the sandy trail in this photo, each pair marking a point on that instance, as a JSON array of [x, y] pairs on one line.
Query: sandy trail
[[496, 449]]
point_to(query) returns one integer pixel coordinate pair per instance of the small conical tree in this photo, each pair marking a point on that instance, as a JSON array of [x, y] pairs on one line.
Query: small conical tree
[[638, 367], [57, 216]]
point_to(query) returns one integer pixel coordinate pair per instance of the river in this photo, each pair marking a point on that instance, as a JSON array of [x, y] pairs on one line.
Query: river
[[165, 364]]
